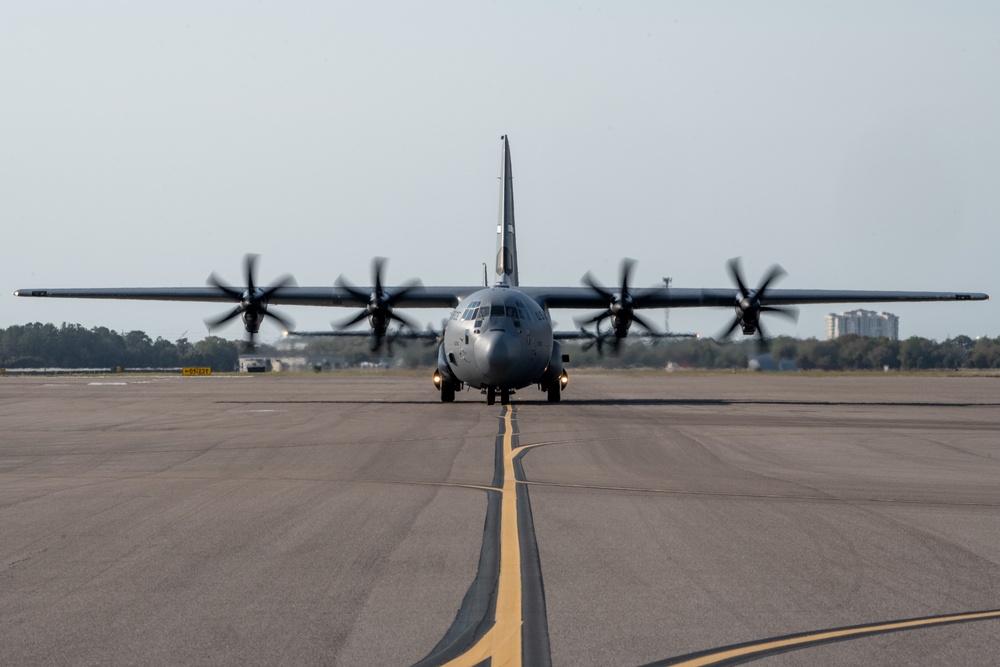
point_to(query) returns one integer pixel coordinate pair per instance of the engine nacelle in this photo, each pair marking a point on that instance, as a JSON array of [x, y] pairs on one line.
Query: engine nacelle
[[555, 370], [378, 320], [444, 374], [252, 320]]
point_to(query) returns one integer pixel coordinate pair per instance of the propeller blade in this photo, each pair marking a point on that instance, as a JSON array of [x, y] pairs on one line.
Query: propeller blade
[[286, 324], [284, 281], [404, 289], [249, 264], [406, 322], [218, 283], [592, 340], [763, 346], [437, 333], [722, 336], [626, 272], [788, 312], [774, 273], [378, 264], [643, 323], [603, 315], [735, 272], [215, 322], [345, 285], [589, 280], [354, 320]]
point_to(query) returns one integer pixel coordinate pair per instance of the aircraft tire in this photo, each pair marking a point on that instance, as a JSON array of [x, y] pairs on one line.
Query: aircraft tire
[[554, 392], [491, 396], [447, 393]]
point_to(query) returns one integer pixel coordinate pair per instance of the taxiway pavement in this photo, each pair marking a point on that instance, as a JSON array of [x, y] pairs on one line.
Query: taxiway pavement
[[356, 520]]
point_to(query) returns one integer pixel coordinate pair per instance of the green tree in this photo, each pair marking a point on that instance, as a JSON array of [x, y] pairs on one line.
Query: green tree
[[919, 353]]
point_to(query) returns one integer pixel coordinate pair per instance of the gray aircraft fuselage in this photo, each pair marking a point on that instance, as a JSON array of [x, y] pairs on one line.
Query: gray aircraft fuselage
[[499, 338]]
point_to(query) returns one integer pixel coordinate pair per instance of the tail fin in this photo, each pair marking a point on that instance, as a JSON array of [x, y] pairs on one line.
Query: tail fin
[[506, 269]]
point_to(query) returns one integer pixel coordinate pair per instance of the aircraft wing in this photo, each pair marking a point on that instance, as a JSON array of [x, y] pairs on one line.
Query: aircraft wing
[[583, 334], [550, 297], [139, 293], [418, 297], [365, 333], [674, 297]]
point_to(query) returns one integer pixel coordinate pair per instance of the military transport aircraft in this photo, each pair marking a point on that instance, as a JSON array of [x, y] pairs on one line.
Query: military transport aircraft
[[499, 338]]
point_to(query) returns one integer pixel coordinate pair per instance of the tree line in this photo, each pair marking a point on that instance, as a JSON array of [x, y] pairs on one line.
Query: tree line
[[72, 346], [845, 353]]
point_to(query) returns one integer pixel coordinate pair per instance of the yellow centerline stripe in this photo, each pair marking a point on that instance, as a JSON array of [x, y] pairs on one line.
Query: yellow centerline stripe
[[765, 646], [503, 641]]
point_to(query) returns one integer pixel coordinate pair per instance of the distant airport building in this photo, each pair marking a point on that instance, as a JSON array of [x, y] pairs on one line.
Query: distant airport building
[[252, 364], [865, 323]]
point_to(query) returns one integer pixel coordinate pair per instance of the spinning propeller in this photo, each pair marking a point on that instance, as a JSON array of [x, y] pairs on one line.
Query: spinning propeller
[[380, 303], [751, 304], [432, 336], [598, 338], [621, 304], [405, 332], [251, 301]]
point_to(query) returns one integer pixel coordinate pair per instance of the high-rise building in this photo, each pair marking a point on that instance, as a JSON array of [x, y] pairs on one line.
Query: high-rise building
[[866, 323]]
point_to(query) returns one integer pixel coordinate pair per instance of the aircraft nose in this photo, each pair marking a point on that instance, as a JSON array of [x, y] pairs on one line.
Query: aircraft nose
[[496, 356]]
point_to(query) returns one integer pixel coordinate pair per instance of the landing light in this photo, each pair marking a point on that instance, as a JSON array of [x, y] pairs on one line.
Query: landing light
[[436, 379], [564, 380]]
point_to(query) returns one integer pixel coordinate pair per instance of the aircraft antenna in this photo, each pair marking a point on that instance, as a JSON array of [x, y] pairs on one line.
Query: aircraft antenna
[[666, 311]]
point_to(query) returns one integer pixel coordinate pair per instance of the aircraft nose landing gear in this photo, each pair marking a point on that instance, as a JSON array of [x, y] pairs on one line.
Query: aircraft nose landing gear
[[491, 396]]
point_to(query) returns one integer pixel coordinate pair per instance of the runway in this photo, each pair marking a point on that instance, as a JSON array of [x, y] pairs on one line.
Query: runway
[[646, 519]]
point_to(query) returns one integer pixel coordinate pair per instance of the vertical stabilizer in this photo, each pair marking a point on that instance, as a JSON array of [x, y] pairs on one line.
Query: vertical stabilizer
[[506, 270]]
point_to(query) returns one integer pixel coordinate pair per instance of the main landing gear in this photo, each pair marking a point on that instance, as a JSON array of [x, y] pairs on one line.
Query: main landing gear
[[554, 389], [447, 389], [555, 392]]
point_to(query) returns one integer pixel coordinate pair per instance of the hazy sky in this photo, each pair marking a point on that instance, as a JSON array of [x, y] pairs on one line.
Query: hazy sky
[[148, 144]]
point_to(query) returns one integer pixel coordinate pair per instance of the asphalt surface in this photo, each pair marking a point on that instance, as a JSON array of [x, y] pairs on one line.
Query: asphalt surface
[[359, 521]]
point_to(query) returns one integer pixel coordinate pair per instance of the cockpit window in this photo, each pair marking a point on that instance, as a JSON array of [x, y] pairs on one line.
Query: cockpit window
[[515, 309], [470, 311]]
